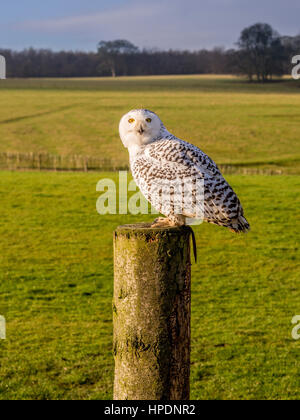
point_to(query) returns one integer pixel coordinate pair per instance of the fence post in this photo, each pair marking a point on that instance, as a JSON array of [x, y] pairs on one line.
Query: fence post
[[151, 312]]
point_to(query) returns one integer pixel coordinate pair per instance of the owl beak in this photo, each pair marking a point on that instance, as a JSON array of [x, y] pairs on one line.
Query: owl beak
[[141, 130]]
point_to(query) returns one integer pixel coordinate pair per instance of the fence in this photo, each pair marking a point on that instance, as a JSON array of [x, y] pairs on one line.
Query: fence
[[47, 162], [44, 161]]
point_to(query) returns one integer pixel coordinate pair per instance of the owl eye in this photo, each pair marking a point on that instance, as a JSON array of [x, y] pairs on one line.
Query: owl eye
[[148, 120], [131, 120]]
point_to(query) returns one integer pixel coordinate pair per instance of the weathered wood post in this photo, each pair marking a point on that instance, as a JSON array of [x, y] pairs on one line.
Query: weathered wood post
[[151, 312]]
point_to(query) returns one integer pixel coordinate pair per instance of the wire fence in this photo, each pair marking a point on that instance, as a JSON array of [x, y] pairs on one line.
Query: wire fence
[[47, 162], [78, 163]]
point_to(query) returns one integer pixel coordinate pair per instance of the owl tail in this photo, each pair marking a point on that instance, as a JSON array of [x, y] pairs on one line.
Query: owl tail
[[239, 225]]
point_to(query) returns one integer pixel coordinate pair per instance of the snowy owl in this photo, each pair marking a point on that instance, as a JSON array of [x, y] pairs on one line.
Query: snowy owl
[[159, 159]]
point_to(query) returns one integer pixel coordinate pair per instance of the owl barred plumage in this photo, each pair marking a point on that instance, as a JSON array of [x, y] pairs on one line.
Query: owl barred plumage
[[171, 172]]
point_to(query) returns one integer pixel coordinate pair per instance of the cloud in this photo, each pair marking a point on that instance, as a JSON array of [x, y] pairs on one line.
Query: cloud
[[132, 13], [191, 24], [159, 23]]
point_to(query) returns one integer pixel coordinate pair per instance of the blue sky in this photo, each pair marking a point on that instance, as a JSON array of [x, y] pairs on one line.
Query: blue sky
[[183, 24]]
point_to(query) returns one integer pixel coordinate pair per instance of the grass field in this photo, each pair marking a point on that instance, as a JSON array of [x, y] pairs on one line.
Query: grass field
[[56, 292], [56, 271], [231, 120]]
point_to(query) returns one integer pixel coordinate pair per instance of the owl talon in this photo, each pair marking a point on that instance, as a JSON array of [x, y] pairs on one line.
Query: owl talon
[[161, 222]]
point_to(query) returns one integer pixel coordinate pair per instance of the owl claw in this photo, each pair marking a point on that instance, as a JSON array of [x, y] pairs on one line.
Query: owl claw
[[161, 222]]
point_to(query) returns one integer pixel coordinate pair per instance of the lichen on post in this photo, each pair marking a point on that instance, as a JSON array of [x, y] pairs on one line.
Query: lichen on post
[[151, 312]]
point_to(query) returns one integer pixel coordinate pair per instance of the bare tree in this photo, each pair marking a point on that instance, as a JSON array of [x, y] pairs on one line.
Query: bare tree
[[111, 54], [261, 52]]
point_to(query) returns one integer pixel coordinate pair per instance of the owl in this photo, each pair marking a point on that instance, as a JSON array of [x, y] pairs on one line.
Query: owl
[[178, 179]]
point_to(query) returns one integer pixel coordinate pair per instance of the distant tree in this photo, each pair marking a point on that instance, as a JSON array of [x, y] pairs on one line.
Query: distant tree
[[292, 47], [112, 54], [292, 43], [261, 52]]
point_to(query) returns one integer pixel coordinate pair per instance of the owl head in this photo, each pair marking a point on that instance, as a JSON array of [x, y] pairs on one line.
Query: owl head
[[139, 127]]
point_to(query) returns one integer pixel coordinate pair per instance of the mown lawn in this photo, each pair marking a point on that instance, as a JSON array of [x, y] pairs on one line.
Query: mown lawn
[[56, 280], [231, 120]]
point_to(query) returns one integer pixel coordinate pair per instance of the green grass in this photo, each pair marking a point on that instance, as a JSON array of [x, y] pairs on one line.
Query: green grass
[[56, 283], [56, 275], [233, 121]]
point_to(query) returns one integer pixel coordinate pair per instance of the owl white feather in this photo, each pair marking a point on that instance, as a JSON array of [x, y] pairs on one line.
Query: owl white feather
[[177, 178]]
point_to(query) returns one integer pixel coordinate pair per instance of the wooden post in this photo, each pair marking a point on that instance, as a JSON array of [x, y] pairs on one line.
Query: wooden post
[[151, 312]]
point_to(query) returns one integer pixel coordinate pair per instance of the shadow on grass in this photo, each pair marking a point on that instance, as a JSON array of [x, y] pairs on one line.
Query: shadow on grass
[[200, 83]]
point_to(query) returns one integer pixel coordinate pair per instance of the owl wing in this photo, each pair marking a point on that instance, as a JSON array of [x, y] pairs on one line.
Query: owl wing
[[173, 174]]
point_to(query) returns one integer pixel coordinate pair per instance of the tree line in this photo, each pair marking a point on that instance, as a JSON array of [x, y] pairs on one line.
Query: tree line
[[260, 54]]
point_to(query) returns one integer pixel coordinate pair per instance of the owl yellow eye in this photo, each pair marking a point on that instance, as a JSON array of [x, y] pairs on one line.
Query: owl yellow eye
[[148, 120], [131, 120]]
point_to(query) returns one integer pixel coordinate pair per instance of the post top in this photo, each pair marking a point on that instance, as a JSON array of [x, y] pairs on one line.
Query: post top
[[143, 227], [146, 232]]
